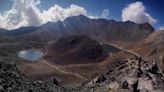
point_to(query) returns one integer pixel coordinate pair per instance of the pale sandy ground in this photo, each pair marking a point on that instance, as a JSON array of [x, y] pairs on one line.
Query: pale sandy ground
[[43, 70]]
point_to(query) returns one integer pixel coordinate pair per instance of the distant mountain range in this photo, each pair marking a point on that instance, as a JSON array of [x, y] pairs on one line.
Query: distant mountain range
[[18, 31], [99, 29], [140, 38], [92, 54]]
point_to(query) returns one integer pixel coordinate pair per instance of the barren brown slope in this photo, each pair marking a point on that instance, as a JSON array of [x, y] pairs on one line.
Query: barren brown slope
[[74, 67], [153, 43], [43, 70], [147, 45], [152, 47], [77, 49]]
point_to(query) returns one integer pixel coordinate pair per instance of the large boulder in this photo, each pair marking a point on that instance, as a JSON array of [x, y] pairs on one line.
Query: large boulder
[[136, 75], [12, 80]]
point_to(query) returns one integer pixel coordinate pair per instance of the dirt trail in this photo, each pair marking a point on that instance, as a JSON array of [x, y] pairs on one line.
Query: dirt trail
[[129, 51], [55, 66], [63, 71], [125, 50]]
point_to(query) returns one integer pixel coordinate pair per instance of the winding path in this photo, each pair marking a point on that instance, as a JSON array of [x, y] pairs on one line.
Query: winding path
[[63, 71], [75, 74], [125, 50], [55, 66]]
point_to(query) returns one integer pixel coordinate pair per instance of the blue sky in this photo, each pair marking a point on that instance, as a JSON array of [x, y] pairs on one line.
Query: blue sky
[[155, 8], [94, 6]]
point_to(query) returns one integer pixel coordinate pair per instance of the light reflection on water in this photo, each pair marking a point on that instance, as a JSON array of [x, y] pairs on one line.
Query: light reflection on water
[[30, 55]]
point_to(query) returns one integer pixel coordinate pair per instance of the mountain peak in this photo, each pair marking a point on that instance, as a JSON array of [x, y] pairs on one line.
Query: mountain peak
[[79, 17]]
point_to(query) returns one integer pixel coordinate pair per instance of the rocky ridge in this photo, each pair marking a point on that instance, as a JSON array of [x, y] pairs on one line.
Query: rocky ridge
[[135, 75], [98, 29], [11, 80]]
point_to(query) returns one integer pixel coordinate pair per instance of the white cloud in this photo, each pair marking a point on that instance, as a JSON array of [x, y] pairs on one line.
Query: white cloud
[[56, 13], [161, 28], [105, 14], [22, 13], [27, 13], [136, 12]]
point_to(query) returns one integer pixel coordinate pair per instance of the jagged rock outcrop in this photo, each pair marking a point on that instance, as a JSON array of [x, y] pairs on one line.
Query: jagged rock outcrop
[[136, 75], [11, 80], [151, 47]]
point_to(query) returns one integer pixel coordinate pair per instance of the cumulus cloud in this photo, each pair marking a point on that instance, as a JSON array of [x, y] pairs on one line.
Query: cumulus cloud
[[105, 13], [161, 28], [56, 13], [136, 12], [27, 13], [22, 13]]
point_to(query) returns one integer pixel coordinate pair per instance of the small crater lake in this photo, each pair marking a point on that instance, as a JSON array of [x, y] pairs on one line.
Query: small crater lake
[[30, 55]]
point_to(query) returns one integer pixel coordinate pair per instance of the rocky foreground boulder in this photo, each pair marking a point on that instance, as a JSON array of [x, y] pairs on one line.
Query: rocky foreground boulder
[[135, 75], [11, 80]]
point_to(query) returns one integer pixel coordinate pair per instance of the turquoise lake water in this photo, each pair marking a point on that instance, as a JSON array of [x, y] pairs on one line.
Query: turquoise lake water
[[30, 55]]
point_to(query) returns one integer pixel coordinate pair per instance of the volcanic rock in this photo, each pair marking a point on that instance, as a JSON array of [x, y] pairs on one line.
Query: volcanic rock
[[126, 79], [11, 80], [78, 49]]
